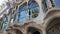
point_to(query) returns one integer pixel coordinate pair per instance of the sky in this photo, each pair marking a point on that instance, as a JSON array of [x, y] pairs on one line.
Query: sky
[[57, 3]]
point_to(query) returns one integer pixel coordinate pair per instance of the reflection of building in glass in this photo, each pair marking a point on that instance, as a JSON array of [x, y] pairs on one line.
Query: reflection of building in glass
[[30, 17]]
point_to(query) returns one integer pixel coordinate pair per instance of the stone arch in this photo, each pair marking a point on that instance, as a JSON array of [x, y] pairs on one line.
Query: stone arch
[[51, 14], [15, 29], [34, 8], [20, 13], [33, 30], [53, 26]]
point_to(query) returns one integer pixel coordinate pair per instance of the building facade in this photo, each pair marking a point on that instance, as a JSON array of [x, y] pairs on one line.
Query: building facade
[[31, 17]]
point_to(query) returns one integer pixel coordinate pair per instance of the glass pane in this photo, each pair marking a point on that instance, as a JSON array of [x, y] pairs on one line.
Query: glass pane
[[22, 16], [34, 9], [22, 13], [54, 29], [5, 23]]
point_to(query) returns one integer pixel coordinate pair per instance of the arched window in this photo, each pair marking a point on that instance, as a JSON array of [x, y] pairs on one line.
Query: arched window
[[5, 23], [8, 9], [31, 9]]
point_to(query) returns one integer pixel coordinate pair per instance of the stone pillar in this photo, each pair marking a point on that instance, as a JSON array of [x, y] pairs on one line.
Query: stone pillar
[[49, 4], [3, 32], [44, 32], [41, 13]]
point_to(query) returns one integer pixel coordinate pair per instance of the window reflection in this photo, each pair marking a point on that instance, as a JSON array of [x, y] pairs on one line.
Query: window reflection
[[8, 9]]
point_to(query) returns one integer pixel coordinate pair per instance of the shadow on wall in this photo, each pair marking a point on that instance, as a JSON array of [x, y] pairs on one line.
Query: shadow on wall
[[33, 30], [18, 31]]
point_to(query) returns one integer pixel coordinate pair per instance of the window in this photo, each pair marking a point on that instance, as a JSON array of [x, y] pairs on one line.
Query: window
[[5, 23], [53, 29], [29, 10], [8, 9], [33, 8], [21, 13]]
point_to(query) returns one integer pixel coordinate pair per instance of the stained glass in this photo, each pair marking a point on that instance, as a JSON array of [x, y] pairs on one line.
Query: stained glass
[[20, 17]]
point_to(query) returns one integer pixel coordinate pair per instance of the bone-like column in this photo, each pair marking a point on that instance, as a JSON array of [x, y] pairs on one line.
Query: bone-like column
[[49, 3]]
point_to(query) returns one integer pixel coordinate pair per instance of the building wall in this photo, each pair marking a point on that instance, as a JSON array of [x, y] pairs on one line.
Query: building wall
[[40, 23]]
